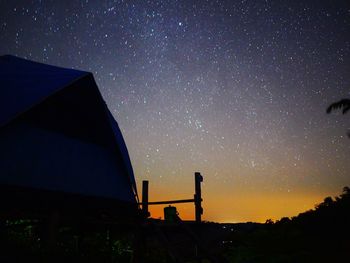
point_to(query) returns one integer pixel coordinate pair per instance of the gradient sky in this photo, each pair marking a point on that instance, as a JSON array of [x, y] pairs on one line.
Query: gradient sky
[[236, 90]]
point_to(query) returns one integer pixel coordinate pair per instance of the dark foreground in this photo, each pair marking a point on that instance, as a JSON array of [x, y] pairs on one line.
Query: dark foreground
[[319, 235]]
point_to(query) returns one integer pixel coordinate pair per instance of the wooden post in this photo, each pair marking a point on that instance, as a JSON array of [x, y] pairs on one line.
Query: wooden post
[[198, 196], [145, 198], [52, 232]]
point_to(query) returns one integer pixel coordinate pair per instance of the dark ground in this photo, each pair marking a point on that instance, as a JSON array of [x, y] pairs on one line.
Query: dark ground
[[319, 235]]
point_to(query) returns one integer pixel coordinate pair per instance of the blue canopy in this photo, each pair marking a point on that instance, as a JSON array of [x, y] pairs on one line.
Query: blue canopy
[[56, 133]]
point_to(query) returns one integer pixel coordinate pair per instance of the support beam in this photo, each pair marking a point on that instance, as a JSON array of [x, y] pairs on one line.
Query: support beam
[[198, 197], [198, 178], [145, 198], [52, 231], [171, 202]]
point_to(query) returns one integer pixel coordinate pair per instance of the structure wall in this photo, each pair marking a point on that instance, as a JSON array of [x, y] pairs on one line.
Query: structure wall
[[35, 157]]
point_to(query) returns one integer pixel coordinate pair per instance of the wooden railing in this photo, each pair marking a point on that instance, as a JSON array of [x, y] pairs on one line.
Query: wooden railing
[[197, 200]]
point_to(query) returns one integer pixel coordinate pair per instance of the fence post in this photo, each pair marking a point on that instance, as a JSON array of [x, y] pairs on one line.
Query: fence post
[[198, 178], [145, 198]]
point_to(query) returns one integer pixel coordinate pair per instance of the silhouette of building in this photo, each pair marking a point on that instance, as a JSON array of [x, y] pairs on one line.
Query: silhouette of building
[[60, 147]]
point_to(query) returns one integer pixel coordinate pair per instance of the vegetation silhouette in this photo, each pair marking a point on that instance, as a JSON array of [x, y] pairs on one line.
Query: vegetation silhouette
[[343, 104], [318, 235]]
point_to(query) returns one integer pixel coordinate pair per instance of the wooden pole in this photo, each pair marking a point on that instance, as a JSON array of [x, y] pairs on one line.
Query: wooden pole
[[145, 198], [53, 224], [198, 196]]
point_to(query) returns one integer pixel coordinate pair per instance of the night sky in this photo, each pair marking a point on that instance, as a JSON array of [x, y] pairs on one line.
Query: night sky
[[236, 90]]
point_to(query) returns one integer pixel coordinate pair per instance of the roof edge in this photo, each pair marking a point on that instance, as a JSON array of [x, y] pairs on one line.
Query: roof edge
[[43, 99]]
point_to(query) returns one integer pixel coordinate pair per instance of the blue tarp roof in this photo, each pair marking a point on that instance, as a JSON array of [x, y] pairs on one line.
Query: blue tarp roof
[[25, 84]]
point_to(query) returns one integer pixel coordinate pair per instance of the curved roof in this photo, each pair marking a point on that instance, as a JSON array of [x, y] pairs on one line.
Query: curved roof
[[26, 84]]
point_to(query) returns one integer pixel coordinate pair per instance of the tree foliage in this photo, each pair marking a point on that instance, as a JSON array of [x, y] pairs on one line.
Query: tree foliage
[[343, 105], [318, 235]]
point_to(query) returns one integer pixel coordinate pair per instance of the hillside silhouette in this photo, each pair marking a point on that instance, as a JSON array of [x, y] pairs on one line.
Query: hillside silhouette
[[318, 235]]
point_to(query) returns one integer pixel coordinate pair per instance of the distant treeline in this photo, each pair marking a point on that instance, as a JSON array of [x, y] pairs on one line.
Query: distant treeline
[[318, 235]]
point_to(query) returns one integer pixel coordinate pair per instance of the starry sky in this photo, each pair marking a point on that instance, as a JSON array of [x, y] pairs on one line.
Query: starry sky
[[236, 90]]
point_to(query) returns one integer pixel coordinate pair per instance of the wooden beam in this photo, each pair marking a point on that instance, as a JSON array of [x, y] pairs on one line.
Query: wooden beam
[[171, 202], [198, 197], [145, 198], [198, 178]]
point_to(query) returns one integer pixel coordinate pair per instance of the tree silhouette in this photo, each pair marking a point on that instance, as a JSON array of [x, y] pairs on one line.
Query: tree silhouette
[[346, 191], [343, 104], [327, 202]]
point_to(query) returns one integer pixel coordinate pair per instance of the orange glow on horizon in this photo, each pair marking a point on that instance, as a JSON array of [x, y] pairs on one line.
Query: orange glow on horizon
[[245, 207], [241, 195]]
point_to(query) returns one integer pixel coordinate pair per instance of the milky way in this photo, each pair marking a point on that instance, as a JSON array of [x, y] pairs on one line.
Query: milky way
[[234, 89]]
